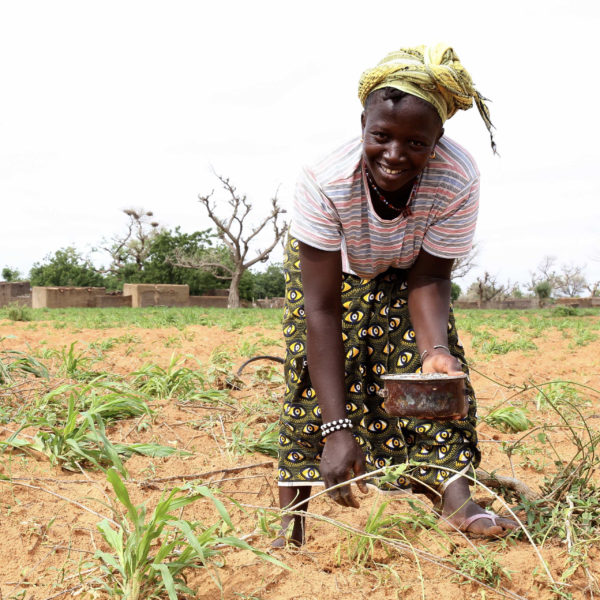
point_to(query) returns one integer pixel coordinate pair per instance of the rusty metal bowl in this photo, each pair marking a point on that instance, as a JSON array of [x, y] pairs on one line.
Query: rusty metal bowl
[[435, 396]]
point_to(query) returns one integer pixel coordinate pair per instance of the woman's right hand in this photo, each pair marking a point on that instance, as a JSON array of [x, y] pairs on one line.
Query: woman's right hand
[[342, 460]]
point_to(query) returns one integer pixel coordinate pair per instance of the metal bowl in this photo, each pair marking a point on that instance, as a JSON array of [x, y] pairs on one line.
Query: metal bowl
[[435, 396]]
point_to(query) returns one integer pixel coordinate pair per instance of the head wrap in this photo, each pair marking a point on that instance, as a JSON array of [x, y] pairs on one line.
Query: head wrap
[[432, 73]]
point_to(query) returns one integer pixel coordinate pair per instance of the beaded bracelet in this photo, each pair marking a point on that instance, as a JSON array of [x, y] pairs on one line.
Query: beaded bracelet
[[335, 425], [426, 352]]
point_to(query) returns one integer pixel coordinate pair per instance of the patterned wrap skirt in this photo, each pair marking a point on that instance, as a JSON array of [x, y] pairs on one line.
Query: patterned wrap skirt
[[378, 339]]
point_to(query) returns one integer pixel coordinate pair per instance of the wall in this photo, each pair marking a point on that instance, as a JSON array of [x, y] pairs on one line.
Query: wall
[[14, 291], [208, 301], [149, 294], [65, 297]]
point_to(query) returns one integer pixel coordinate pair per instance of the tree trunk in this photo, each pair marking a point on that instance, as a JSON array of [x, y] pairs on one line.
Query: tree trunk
[[234, 290]]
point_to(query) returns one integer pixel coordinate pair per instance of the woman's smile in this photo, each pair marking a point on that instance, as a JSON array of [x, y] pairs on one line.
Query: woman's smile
[[390, 171]]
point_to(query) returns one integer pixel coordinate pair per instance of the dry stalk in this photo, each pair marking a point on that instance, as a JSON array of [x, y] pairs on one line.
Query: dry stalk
[[511, 483], [267, 463], [74, 502]]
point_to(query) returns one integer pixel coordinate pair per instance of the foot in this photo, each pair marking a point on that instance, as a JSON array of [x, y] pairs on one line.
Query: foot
[[461, 512], [290, 533], [292, 526]]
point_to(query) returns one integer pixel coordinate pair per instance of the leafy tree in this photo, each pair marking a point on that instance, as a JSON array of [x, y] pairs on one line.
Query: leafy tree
[[543, 290], [9, 274], [455, 292], [66, 267], [269, 283], [157, 266]]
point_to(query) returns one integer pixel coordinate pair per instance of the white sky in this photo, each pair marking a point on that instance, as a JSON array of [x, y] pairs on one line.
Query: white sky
[[107, 105]]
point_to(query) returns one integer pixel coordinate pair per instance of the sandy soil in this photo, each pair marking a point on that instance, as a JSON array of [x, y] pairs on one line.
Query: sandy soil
[[48, 539]]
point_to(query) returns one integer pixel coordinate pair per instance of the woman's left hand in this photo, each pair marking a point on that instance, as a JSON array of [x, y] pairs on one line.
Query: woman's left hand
[[440, 361]]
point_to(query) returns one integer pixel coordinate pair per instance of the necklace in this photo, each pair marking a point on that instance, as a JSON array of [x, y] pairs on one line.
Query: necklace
[[404, 210]]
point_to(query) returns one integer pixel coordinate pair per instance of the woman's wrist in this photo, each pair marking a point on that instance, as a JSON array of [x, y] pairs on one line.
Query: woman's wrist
[[436, 349]]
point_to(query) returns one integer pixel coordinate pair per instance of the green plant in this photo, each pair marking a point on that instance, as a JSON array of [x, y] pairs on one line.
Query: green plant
[[175, 380], [582, 336], [559, 394], [265, 443], [486, 343], [480, 563], [149, 556], [72, 363], [80, 438], [508, 418], [19, 312], [565, 311], [15, 361]]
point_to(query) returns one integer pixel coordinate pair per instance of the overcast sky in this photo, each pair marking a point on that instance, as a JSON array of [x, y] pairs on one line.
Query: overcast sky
[[108, 105]]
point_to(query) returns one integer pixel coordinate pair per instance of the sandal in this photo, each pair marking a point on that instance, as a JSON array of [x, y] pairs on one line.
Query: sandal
[[464, 526]]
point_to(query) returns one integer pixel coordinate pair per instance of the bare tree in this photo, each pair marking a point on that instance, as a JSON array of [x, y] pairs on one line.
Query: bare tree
[[462, 266], [133, 246], [231, 231], [486, 288], [571, 280], [592, 287]]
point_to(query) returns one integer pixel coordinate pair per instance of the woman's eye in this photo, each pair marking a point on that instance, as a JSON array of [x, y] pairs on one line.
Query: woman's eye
[[379, 136]]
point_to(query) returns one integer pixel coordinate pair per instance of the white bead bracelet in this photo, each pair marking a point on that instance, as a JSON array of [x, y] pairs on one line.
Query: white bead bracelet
[[335, 425]]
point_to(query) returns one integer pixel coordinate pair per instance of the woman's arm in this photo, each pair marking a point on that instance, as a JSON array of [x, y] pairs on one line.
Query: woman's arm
[[321, 283], [428, 305]]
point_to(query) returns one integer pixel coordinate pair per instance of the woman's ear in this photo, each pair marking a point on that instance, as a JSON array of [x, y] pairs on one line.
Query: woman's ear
[[439, 136], [363, 120]]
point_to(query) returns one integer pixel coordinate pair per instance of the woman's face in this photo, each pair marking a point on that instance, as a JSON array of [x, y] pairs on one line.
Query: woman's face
[[398, 139]]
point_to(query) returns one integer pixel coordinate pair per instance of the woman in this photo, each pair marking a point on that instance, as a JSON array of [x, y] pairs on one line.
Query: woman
[[375, 229]]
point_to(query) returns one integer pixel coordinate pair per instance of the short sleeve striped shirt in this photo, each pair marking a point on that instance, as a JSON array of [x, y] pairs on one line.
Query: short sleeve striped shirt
[[332, 210]]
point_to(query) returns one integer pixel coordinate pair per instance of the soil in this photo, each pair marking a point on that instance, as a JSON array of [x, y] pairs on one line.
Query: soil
[[49, 539]]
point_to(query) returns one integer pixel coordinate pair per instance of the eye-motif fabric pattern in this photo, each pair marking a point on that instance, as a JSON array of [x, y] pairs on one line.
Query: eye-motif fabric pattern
[[352, 352], [354, 317], [377, 426], [394, 323], [409, 335], [378, 338], [295, 457], [378, 368], [294, 294], [404, 358], [375, 331], [388, 348], [311, 429], [394, 443], [372, 389], [310, 474], [308, 393]]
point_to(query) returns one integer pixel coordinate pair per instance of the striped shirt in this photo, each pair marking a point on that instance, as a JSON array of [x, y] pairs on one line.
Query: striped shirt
[[332, 210]]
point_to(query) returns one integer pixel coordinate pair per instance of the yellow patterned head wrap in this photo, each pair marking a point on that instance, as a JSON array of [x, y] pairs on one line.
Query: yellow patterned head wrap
[[432, 73]]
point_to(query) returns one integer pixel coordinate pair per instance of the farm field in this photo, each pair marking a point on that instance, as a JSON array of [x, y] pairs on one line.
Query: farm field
[[103, 411]]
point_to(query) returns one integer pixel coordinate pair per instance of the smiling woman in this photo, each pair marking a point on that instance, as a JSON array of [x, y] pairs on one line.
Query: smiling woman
[[376, 226]]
